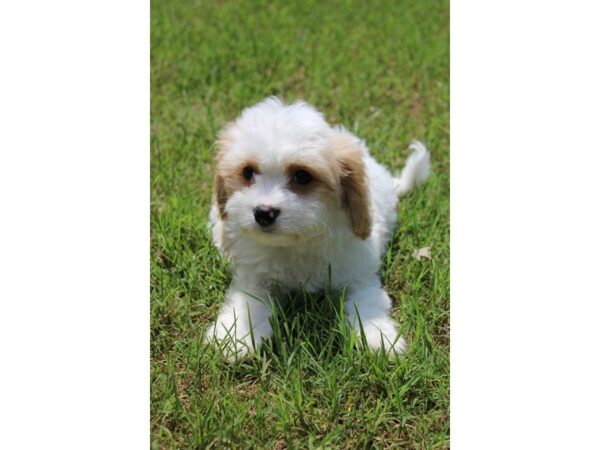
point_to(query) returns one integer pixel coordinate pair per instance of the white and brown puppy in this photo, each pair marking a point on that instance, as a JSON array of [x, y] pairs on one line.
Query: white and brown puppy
[[293, 197]]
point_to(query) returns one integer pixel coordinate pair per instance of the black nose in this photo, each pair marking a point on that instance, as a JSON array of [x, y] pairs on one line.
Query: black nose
[[265, 215]]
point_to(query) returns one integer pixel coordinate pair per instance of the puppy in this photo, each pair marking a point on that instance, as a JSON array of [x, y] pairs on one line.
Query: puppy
[[294, 197]]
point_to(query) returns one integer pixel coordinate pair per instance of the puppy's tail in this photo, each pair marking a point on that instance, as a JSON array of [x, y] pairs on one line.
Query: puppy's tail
[[416, 170]]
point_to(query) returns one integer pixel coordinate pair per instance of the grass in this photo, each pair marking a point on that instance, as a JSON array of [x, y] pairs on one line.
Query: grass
[[381, 69]]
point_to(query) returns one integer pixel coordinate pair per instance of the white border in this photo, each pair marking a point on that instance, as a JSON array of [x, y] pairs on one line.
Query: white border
[[525, 224], [74, 227]]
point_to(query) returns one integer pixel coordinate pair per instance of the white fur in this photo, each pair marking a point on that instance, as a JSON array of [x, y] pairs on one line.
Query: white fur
[[310, 237]]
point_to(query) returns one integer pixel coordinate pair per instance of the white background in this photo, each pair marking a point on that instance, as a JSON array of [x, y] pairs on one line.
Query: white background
[[525, 224], [74, 224]]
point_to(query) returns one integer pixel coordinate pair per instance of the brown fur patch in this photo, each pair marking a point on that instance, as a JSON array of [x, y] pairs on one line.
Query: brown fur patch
[[221, 193], [229, 179], [241, 168], [220, 196], [354, 185], [229, 176], [321, 178]]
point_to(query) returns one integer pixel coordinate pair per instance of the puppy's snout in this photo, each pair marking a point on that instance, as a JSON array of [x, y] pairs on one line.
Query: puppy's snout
[[265, 215]]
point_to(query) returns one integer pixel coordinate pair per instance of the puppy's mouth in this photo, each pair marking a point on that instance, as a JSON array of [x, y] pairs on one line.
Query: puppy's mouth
[[272, 236]]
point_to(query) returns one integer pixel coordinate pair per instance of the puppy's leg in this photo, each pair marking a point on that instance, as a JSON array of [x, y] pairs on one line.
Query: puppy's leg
[[243, 322], [373, 305]]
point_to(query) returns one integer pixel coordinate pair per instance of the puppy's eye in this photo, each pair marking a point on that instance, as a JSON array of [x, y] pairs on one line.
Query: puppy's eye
[[302, 177], [248, 173]]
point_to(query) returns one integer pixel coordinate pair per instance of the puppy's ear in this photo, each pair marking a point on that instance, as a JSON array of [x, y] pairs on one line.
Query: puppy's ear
[[220, 196], [220, 190], [354, 185]]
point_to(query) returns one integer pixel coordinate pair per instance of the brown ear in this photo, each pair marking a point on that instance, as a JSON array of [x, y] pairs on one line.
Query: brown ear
[[354, 186], [221, 196], [220, 190]]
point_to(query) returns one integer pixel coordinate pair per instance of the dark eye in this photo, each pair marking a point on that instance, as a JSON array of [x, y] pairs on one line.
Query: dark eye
[[302, 177], [248, 173]]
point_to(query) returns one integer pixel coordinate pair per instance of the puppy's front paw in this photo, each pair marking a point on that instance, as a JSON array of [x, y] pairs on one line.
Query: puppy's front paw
[[235, 338], [382, 332], [232, 344]]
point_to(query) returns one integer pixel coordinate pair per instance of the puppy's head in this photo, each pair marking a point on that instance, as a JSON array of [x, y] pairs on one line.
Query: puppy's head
[[284, 176]]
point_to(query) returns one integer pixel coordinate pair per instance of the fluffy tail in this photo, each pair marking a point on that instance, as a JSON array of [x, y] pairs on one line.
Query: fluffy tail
[[416, 170]]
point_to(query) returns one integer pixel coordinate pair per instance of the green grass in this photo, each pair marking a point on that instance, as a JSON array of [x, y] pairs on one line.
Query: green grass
[[379, 68]]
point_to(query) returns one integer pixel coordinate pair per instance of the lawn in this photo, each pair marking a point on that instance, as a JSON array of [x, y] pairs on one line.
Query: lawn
[[381, 69]]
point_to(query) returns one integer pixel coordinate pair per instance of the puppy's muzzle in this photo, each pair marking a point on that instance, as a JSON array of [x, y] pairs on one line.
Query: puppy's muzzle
[[265, 215]]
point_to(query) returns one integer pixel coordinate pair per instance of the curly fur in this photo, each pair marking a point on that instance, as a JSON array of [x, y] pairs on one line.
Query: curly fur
[[343, 219]]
